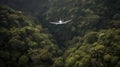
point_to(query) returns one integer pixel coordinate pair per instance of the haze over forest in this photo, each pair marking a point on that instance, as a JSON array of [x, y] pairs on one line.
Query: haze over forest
[[90, 39]]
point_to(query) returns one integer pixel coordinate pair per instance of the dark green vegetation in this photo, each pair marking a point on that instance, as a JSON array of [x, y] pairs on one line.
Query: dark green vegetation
[[91, 39], [22, 42]]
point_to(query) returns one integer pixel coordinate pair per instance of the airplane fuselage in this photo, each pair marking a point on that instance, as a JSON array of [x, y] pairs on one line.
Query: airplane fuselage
[[60, 21]]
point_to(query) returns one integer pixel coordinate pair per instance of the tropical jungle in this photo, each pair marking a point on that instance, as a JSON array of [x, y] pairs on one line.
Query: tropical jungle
[[90, 39]]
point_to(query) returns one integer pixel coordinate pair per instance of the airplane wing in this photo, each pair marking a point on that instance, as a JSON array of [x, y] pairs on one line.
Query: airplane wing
[[66, 21], [60, 22], [54, 22]]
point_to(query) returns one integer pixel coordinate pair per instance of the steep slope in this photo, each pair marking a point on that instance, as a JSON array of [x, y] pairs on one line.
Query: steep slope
[[95, 49], [22, 42], [93, 36], [86, 15], [91, 39]]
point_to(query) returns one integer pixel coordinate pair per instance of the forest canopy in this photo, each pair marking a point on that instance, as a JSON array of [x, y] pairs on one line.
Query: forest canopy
[[91, 39]]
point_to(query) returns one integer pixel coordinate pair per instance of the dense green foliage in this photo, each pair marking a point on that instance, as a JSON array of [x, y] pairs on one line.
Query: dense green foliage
[[91, 39], [22, 42]]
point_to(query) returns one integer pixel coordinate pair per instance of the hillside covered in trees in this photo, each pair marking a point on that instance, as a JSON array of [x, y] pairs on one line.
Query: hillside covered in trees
[[91, 39]]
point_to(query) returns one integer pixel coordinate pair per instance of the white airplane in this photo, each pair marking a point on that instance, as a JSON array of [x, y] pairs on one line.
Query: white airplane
[[60, 22]]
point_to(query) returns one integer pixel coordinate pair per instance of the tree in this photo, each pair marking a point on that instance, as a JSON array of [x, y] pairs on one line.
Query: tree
[[32, 44], [58, 62], [90, 37], [107, 57], [23, 60]]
